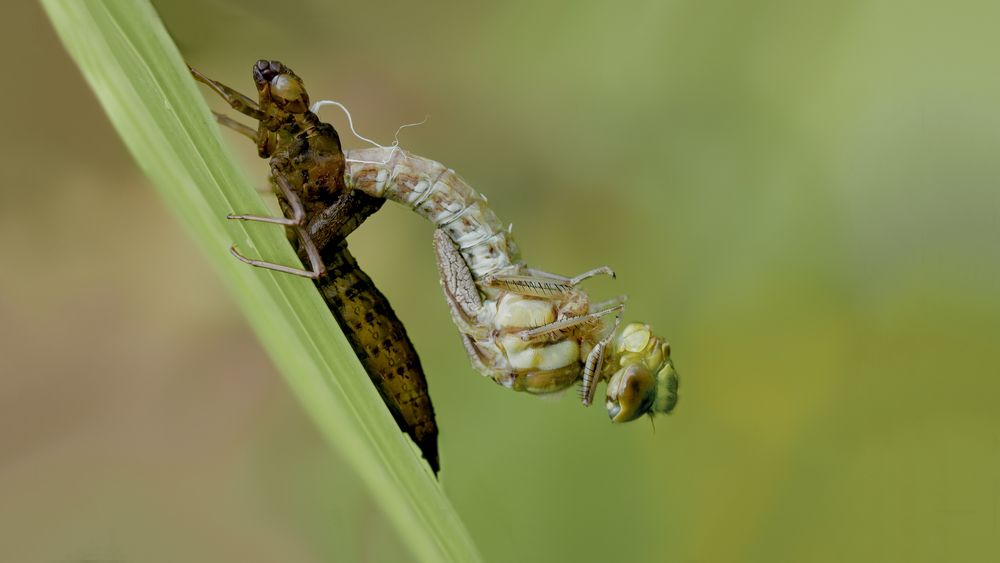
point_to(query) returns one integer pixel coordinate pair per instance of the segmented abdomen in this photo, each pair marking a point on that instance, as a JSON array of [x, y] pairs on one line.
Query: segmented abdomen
[[439, 194], [381, 343]]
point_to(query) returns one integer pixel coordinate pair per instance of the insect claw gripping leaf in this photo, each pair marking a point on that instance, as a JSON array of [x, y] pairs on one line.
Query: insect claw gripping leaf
[[307, 176]]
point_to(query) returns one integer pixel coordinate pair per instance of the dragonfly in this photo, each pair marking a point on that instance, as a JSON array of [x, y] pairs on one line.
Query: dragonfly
[[319, 211], [527, 329]]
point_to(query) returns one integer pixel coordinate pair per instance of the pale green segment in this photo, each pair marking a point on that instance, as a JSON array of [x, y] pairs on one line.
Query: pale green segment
[[141, 80]]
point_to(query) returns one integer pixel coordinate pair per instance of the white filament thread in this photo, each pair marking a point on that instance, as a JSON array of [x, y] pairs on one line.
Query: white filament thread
[[350, 122]]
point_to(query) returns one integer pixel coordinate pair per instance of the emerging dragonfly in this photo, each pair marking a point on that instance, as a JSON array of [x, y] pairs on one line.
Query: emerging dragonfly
[[308, 178], [527, 329]]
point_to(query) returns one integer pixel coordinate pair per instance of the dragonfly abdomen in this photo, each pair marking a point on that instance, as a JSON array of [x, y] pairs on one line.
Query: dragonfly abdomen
[[439, 194]]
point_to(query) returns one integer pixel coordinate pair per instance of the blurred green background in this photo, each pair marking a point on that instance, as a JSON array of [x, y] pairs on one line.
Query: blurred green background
[[802, 196]]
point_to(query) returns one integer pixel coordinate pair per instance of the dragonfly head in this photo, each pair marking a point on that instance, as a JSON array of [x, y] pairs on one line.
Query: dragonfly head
[[646, 382], [278, 85]]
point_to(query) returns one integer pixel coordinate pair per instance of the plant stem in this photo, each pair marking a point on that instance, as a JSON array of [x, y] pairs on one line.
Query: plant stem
[[139, 77]]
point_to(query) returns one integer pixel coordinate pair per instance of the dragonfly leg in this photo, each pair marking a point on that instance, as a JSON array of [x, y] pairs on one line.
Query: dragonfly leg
[[602, 271], [575, 280], [460, 290], [296, 222], [274, 220], [299, 215], [236, 100], [226, 121], [298, 212], [533, 333], [595, 360], [541, 284], [610, 303], [272, 266]]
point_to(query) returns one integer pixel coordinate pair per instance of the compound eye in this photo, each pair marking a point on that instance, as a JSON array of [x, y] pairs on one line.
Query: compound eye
[[631, 392], [265, 70], [287, 90], [283, 86]]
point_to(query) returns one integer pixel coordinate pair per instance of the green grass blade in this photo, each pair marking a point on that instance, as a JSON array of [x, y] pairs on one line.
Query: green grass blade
[[131, 63]]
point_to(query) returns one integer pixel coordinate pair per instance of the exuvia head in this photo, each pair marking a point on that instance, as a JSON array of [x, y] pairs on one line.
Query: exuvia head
[[276, 83], [646, 382]]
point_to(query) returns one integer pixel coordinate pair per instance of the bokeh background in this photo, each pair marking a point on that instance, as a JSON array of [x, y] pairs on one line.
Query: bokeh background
[[802, 196]]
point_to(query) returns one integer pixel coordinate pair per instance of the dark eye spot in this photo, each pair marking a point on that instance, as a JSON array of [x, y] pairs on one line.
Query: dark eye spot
[[267, 70]]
